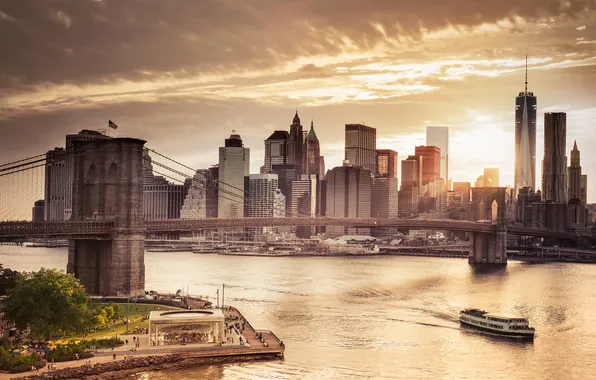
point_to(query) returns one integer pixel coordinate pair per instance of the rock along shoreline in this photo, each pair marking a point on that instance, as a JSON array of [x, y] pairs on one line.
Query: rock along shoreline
[[123, 368]]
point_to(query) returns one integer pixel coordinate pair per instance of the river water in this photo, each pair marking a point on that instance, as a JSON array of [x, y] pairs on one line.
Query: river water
[[382, 317]]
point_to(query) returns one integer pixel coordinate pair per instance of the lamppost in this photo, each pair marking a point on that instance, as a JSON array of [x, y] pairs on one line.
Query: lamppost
[[127, 311]]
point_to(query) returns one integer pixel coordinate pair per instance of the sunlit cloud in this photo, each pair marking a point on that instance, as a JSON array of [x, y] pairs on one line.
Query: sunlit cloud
[[360, 82]]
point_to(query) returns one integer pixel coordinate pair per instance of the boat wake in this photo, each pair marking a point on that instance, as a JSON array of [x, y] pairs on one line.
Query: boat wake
[[423, 323], [437, 314]]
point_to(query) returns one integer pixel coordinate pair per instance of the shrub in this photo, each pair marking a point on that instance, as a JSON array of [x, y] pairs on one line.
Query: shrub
[[71, 356], [105, 343], [18, 363], [68, 352], [27, 367]]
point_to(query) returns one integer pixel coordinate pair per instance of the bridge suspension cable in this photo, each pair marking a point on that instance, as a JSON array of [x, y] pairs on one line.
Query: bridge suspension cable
[[241, 199], [22, 183], [22, 160]]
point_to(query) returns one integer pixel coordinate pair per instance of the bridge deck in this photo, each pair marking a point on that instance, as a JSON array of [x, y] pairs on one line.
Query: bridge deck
[[102, 229]]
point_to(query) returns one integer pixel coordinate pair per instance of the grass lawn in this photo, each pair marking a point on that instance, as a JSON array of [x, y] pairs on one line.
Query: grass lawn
[[136, 312]]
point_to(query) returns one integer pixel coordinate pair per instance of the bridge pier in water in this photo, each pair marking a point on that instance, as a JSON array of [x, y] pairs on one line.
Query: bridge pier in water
[[488, 204], [488, 248], [107, 186]]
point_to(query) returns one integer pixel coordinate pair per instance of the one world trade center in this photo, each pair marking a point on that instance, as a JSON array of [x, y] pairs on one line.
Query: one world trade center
[[525, 139]]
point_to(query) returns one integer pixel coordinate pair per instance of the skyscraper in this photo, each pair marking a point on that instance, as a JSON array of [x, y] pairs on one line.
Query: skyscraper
[[163, 200], [386, 163], [576, 211], [575, 174], [384, 199], [411, 172], [234, 165], [313, 163], [439, 137], [296, 146], [525, 139], [276, 150], [212, 191], [554, 164], [348, 193], [431, 162], [195, 203], [305, 201], [265, 199], [361, 146], [38, 211], [583, 190], [491, 177], [411, 181], [55, 185]]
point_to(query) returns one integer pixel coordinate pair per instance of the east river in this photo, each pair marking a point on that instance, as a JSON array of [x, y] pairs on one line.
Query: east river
[[382, 317]]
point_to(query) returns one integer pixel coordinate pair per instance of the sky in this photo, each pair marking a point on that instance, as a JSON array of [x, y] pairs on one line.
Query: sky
[[183, 74]]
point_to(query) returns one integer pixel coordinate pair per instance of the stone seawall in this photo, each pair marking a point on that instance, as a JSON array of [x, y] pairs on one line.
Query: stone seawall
[[122, 368]]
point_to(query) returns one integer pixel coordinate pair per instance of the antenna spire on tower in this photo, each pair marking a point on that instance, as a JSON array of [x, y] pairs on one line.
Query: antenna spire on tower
[[526, 73]]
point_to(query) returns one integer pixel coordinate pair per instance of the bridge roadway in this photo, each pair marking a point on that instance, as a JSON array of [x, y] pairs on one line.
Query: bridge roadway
[[104, 229]]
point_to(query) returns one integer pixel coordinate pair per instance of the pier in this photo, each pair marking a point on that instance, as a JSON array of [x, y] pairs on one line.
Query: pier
[[258, 345]]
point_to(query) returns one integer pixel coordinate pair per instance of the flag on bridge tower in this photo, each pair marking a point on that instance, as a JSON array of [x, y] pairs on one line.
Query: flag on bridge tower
[[111, 124]]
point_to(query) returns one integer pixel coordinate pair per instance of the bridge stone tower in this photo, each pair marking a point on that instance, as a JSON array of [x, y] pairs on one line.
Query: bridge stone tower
[[108, 187], [489, 248]]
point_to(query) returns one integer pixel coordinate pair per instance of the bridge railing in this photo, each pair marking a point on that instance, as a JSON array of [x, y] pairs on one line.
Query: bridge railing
[[55, 229]]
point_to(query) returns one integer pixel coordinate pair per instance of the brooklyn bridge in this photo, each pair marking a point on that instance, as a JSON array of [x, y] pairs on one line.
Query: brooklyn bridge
[[107, 230]]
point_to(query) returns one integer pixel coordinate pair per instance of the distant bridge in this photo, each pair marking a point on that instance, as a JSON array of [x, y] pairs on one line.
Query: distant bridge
[[98, 230]]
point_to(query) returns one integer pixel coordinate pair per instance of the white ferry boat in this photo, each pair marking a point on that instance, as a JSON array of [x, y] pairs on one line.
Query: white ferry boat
[[515, 327]]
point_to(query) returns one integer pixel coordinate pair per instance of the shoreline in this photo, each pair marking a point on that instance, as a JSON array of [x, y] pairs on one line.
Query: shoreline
[[454, 255], [123, 368]]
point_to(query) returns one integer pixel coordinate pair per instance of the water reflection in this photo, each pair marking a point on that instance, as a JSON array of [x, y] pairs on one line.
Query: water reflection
[[383, 317]]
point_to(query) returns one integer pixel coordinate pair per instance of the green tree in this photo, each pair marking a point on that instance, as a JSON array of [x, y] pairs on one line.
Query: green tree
[[50, 303], [101, 318], [8, 279]]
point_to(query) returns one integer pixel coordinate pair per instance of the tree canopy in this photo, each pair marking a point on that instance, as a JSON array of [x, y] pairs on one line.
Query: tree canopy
[[8, 279], [50, 303]]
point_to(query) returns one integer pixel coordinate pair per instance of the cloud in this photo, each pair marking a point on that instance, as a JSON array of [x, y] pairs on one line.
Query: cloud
[[134, 39], [183, 73], [63, 18]]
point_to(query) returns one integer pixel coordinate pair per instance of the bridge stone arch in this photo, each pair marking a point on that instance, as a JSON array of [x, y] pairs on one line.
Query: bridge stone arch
[[481, 206]]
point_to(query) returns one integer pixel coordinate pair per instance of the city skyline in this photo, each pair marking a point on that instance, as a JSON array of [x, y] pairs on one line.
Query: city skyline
[[391, 83]]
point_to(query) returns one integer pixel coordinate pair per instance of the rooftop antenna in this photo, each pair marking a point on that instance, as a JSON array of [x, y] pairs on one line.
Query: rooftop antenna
[[526, 73]]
